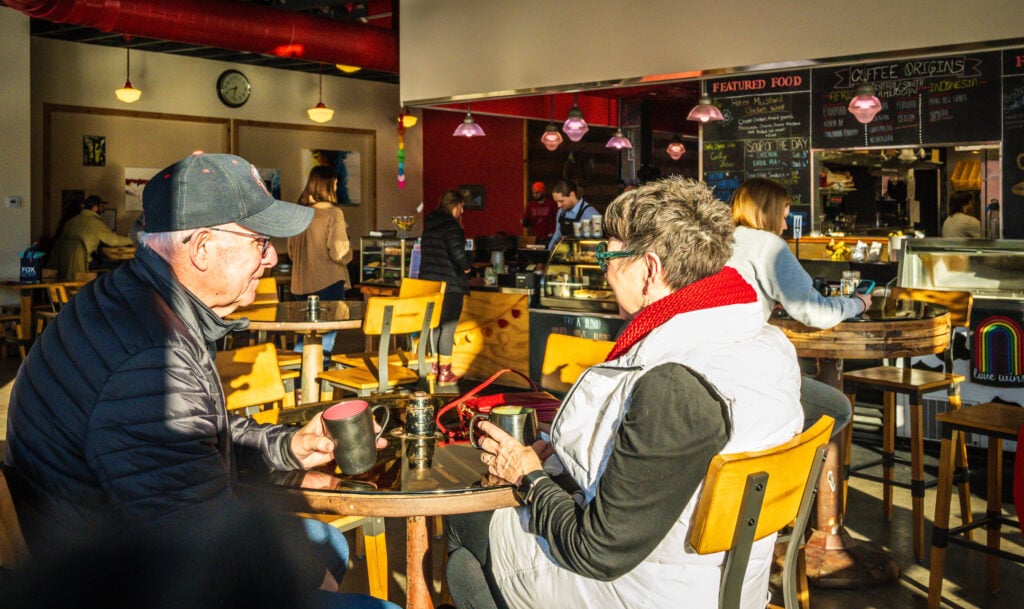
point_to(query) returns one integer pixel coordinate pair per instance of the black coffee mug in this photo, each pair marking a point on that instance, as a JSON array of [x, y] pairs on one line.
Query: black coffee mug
[[350, 425], [516, 421]]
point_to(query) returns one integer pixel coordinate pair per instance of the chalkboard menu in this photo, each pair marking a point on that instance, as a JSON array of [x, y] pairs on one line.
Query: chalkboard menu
[[934, 100], [1013, 144], [765, 133]]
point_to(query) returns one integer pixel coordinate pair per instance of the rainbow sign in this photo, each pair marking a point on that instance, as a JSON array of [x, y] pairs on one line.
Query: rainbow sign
[[998, 353]]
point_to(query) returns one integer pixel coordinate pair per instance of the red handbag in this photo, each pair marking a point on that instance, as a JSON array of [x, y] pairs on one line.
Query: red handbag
[[470, 404]]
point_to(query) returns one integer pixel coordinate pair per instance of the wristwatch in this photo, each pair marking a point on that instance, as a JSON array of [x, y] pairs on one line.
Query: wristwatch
[[525, 489]]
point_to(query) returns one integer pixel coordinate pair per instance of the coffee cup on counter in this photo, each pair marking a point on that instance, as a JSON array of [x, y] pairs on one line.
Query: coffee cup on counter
[[596, 229]]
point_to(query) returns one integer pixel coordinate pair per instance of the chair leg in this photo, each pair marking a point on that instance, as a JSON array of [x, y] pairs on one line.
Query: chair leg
[[995, 506], [940, 526], [888, 450], [963, 475], [376, 558], [917, 476], [847, 440]]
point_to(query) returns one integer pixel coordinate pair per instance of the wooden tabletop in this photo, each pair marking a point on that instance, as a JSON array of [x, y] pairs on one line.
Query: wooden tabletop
[[899, 328], [294, 316], [994, 419]]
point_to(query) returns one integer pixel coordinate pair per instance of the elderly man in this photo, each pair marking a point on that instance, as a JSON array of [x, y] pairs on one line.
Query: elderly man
[[117, 415]]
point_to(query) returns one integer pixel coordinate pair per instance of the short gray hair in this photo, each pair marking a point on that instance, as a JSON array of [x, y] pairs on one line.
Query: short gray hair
[[164, 243], [678, 219]]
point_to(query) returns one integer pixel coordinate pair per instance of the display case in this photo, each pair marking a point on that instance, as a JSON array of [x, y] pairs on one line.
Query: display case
[[989, 269], [384, 260], [573, 280]]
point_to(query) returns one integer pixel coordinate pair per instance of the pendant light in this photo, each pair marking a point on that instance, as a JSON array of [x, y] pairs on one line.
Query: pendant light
[[320, 113], [864, 105], [468, 128], [705, 111], [574, 126], [675, 148], [617, 141], [128, 94], [551, 139]]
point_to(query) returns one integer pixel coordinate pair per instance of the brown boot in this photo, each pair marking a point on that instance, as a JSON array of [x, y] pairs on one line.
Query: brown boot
[[445, 376]]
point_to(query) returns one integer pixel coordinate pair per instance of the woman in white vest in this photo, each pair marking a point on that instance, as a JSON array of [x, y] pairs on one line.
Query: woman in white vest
[[696, 372]]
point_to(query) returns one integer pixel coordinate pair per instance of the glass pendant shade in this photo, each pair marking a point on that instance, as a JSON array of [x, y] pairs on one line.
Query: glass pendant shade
[[618, 141], [551, 139], [574, 126], [469, 128], [128, 94], [320, 113], [705, 111], [864, 105], [675, 148]]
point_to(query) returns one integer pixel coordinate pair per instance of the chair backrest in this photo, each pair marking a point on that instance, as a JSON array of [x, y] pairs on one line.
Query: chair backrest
[[420, 287], [958, 303], [250, 376], [566, 357], [13, 551], [748, 496], [388, 316], [266, 291], [60, 293]]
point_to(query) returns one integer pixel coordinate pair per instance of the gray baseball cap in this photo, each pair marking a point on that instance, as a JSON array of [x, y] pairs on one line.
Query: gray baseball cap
[[204, 190]]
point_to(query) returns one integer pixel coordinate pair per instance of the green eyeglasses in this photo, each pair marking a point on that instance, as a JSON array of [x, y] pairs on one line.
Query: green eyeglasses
[[603, 255], [262, 241]]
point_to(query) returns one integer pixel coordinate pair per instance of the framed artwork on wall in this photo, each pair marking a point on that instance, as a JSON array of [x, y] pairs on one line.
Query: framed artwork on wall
[[475, 196], [347, 167]]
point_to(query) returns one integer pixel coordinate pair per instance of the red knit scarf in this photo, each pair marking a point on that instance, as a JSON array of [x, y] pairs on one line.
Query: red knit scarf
[[725, 287]]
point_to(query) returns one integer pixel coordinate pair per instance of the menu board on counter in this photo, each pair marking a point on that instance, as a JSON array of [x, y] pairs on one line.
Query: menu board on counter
[[764, 133], [926, 101], [1013, 144]]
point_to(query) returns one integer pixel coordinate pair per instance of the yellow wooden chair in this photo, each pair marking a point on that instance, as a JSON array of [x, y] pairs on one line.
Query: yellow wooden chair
[[386, 317], [252, 381], [748, 496], [13, 551], [410, 358], [913, 383], [59, 294], [566, 357]]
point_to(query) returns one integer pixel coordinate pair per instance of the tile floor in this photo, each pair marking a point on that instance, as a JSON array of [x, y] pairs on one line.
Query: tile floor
[[965, 571]]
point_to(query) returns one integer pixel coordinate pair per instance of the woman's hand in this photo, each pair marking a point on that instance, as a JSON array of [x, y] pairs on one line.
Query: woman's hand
[[507, 458], [312, 446], [865, 300]]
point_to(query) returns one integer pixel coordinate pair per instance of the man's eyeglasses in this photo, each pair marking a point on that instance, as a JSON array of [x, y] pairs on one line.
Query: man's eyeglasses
[[603, 255], [262, 240]]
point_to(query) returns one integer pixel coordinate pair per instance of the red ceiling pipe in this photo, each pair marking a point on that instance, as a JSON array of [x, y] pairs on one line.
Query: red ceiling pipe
[[229, 25]]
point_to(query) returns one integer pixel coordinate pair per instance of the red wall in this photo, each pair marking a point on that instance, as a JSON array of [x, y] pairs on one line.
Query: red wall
[[497, 161]]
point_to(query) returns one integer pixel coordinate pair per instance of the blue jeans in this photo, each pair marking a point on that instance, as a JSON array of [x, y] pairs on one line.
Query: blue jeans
[[332, 548]]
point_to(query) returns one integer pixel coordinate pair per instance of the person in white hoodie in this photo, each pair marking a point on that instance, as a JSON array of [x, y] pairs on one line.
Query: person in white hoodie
[[696, 372]]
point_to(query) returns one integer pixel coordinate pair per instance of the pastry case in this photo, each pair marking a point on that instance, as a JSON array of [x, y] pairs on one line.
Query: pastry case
[[383, 260], [573, 280], [989, 269]]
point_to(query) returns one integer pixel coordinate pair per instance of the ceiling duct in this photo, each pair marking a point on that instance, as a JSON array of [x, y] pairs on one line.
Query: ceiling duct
[[229, 25]]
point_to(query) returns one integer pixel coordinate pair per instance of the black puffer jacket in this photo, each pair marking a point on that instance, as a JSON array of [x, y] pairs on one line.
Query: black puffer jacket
[[117, 413], [443, 255]]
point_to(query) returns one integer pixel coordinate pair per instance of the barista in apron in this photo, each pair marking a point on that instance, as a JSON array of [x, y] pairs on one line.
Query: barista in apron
[[571, 208]]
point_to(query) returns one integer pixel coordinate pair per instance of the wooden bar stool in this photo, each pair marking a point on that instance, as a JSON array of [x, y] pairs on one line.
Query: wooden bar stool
[[998, 422], [914, 384]]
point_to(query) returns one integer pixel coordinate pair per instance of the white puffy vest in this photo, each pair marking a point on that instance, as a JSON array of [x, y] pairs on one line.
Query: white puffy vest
[[754, 367]]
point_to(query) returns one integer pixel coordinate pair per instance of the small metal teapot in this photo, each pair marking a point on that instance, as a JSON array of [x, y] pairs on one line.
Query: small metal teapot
[[419, 415]]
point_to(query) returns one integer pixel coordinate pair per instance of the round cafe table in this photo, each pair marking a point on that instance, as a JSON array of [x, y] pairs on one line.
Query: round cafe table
[[895, 329], [294, 316], [414, 478]]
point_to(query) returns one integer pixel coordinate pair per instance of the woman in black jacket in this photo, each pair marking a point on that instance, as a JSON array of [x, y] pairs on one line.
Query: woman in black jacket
[[444, 258]]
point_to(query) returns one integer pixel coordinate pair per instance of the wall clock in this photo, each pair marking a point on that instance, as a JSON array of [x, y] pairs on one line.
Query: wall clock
[[233, 88]]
